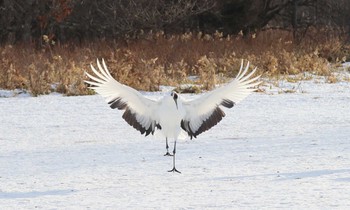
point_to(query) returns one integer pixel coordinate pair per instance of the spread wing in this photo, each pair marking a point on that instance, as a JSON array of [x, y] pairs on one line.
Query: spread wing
[[138, 109], [205, 111]]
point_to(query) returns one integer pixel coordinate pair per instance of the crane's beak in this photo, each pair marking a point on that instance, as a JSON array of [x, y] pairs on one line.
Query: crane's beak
[[176, 103]]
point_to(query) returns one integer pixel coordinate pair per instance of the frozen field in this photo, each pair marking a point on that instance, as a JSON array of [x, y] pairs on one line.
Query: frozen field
[[271, 151]]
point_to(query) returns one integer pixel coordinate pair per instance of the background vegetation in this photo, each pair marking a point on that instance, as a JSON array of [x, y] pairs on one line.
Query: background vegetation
[[45, 46]]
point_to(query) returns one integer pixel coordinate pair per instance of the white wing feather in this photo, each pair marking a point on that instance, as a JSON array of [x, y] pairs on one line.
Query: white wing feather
[[204, 112], [138, 108]]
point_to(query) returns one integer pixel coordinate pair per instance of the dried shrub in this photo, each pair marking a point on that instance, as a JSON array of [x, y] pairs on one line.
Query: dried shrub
[[154, 59], [206, 69]]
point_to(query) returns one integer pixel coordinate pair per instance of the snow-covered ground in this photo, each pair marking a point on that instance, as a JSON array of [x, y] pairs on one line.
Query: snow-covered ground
[[271, 151]]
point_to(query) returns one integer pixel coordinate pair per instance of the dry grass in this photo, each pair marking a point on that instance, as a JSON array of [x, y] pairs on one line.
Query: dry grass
[[155, 59]]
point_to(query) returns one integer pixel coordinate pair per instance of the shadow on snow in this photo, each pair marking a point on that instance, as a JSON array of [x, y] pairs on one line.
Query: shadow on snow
[[34, 194]]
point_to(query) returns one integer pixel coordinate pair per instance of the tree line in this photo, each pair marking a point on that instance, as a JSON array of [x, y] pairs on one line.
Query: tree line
[[78, 20]]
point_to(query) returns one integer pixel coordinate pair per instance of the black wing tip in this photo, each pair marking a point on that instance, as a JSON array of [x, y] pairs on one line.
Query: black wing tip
[[185, 125], [214, 119], [118, 103], [130, 118], [227, 103]]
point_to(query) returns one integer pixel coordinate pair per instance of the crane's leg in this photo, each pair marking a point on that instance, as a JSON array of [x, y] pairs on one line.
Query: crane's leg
[[174, 151], [167, 147]]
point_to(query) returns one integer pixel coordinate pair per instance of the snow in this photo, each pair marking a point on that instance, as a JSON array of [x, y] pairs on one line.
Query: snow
[[271, 151]]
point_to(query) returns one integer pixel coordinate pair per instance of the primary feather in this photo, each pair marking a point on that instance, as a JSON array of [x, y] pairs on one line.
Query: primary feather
[[205, 111], [138, 109]]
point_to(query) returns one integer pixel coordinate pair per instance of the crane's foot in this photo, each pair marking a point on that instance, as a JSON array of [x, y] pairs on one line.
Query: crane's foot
[[174, 170], [168, 154]]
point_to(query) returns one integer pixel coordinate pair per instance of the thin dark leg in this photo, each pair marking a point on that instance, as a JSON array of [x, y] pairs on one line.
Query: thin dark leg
[[167, 147], [174, 151]]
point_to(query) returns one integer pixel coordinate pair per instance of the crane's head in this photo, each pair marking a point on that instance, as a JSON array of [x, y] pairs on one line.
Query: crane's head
[[175, 97]]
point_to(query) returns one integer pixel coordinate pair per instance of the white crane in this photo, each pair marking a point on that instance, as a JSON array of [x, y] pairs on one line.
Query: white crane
[[172, 113]]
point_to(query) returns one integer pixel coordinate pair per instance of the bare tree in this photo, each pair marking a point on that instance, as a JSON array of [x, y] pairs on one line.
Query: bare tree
[[125, 16], [300, 15], [63, 20]]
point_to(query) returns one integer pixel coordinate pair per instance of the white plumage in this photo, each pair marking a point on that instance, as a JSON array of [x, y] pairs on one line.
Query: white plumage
[[172, 113]]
